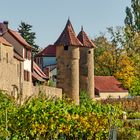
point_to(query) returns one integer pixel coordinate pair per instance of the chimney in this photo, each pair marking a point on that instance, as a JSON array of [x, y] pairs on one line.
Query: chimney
[[5, 23]]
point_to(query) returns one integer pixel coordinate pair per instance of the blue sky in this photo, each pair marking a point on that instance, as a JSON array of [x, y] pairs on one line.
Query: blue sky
[[49, 17]]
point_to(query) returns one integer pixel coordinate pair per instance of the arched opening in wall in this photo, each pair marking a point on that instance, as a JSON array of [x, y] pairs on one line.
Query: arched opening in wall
[[15, 92]]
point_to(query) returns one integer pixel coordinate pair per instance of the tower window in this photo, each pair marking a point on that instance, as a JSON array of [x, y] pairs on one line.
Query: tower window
[[66, 48], [89, 52]]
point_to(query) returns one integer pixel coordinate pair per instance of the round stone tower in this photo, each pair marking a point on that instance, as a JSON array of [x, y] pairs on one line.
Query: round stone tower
[[67, 56], [86, 64]]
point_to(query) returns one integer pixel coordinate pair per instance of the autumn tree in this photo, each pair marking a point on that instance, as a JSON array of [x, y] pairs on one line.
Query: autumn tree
[[26, 32], [132, 41], [104, 58], [111, 57], [126, 71], [108, 52], [119, 55], [132, 32]]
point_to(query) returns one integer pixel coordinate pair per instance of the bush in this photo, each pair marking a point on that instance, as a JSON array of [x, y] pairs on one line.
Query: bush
[[7, 109], [130, 130], [127, 133], [133, 115], [45, 118]]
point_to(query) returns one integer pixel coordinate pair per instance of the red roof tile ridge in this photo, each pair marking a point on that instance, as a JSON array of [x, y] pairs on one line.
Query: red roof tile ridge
[[38, 70], [50, 50]]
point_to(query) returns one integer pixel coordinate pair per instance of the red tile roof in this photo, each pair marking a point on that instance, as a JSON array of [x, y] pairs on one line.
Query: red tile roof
[[108, 84], [68, 37], [19, 38], [17, 56], [4, 41], [39, 71], [84, 39], [35, 76], [50, 50]]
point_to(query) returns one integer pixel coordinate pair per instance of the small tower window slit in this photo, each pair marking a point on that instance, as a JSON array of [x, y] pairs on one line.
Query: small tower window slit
[[66, 48]]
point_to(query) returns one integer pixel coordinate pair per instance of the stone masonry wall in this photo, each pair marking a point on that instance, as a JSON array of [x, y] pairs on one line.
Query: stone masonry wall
[[104, 95], [68, 71], [49, 91], [10, 78], [86, 75]]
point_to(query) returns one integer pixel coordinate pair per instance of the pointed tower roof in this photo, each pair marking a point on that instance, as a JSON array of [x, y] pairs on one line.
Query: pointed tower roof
[[68, 37], [84, 39]]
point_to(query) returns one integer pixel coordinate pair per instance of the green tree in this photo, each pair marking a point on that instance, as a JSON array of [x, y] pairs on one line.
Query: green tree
[[135, 88], [25, 30], [132, 41], [133, 15], [108, 53]]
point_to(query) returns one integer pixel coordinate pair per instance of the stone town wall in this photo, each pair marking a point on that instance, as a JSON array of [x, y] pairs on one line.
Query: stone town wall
[[49, 91], [104, 95], [25, 87], [11, 75], [26, 90]]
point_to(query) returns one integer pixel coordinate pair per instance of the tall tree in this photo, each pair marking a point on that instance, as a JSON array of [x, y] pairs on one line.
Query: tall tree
[[132, 34], [25, 30], [108, 53], [133, 15]]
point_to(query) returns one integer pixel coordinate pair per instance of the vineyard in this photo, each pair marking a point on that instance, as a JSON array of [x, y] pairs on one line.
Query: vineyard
[[55, 119]]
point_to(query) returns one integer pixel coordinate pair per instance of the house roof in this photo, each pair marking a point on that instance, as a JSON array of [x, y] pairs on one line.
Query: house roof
[[19, 38], [17, 56], [37, 77], [4, 41], [108, 84], [39, 71], [68, 37], [50, 50], [51, 67], [84, 39]]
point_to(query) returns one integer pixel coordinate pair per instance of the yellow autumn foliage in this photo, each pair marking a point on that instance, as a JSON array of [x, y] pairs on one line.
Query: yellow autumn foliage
[[125, 71]]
